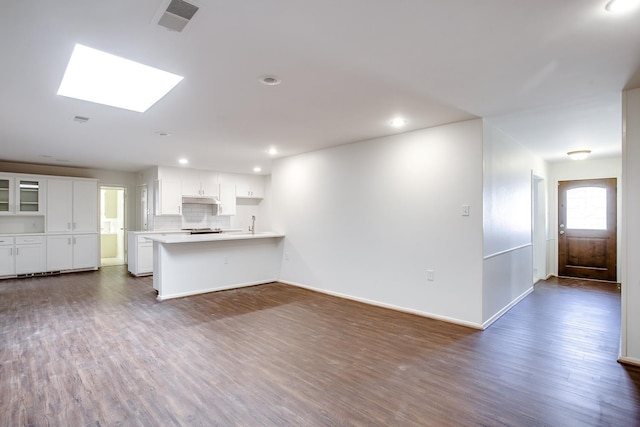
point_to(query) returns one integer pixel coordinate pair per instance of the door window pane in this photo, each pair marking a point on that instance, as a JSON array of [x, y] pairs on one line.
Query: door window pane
[[587, 208]]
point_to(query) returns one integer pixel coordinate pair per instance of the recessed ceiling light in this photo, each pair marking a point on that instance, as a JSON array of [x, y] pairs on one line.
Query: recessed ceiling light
[[257, 169], [162, 133], [99, 77], [398, 122], [273, 151], [621, 5], [270, 80], [579, 154], [183, 161]]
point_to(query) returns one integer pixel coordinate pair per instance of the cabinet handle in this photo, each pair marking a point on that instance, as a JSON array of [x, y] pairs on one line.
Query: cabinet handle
[[74, 240], [68, 240], [11, 251], [68, 226], [74, 225], [17, 251]]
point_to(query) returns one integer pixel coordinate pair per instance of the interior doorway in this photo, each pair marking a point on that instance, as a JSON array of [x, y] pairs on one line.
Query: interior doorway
[[587, 228], [112, 225]]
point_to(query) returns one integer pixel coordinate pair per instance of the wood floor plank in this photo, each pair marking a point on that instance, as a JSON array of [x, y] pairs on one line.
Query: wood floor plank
[[96, 348]]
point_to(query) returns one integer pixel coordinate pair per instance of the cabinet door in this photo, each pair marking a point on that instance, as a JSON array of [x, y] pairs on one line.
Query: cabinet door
[[145, 256], [85, 251], [59, 252], [7, 266], [169, 201], [29, 193], [249, 186], [85, 206], [6, 195], [30, 258], [190, 183], [227, 204], [59, 205], [209, 184]]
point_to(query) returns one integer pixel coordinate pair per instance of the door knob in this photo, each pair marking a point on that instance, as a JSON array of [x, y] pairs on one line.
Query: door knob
[[561, 231]]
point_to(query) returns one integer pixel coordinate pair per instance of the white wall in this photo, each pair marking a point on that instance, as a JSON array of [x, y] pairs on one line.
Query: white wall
[[367, 220], [507, 204], [630, 345], [575, 170]]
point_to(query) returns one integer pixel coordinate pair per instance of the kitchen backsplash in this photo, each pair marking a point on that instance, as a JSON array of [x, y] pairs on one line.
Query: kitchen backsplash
[[193, 216]]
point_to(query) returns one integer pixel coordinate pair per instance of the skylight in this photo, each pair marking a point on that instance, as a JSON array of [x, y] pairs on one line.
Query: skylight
[[99, 77]]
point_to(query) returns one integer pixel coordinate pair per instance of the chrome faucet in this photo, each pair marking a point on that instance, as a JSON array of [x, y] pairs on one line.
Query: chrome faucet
[[252, 227]]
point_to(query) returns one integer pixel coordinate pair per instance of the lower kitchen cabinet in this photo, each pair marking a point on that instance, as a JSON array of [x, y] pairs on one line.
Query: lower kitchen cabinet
[[7, 259], [30, 254], [72, 252]]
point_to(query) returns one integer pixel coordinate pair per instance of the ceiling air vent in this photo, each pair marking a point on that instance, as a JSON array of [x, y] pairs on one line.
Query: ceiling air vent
[[177, 15]]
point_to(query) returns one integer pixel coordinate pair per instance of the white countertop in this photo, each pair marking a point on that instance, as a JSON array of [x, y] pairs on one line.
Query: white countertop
[[213, 237], [174, 231]]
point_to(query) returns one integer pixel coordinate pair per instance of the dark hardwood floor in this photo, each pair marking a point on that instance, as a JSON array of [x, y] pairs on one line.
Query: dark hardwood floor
[[96, 348]]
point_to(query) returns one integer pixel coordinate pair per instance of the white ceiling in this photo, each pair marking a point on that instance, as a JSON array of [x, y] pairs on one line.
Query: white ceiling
[[549, 73]]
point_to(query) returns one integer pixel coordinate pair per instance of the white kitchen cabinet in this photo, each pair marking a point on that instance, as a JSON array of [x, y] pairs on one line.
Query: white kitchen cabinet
[[85, 206], [72, 252], [199, 183], [7, 258], [250, 186], [21, 195], [59, 252], [30, 254], [6, 194], [140, 255], [72, 206], [168, 197], [227, 204], [29, 195]]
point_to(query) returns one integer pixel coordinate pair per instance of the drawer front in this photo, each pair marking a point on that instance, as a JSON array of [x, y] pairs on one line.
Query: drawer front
[[143, 241], [4, 240], [28, 240]]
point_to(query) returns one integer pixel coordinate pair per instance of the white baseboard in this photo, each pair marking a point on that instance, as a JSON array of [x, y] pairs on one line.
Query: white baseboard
[[629, 360], [206, 291], [389, 306], [508, 307]]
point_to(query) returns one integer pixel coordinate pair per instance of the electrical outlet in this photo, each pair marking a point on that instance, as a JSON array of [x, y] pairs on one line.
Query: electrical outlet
[[431, 275], [466, 210]]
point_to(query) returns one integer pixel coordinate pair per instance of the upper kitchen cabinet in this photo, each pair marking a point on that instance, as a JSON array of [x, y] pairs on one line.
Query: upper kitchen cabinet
[[199, 183], [72, 205], [168, 197], [21, 195], [227, 204], [250, 186], [6, 194]]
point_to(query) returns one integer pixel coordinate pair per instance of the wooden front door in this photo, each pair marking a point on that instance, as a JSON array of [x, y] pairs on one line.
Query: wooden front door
[[587, 229]]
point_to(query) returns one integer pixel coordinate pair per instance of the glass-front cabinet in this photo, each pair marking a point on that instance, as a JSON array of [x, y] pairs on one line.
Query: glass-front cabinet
[[21, 195], [29, 196]]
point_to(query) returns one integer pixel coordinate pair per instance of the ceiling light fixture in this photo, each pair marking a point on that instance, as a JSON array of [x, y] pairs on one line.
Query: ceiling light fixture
[[398, 122], [273, 151], [270, 80], [621, 5], [99, 77], [579, 154], [183, 161], [257, 169], [162, 133]]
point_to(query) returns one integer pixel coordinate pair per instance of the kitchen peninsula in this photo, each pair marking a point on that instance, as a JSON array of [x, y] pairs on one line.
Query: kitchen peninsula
[[193, 264]]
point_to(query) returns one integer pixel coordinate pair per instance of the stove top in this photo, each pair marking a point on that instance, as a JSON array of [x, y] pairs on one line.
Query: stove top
[[203, 230]]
